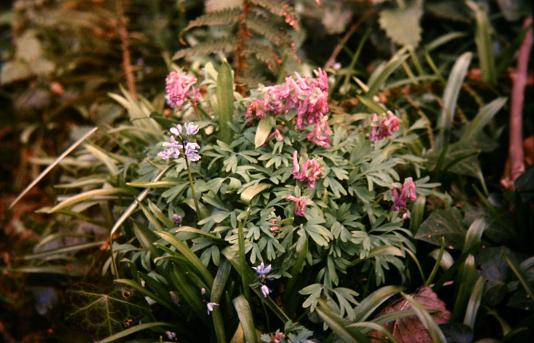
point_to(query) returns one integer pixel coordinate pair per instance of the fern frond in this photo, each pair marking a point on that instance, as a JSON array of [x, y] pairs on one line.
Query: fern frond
[[227, 16], [252, 80], [264, 54], [206, 48], [279, 8], [265, 28]]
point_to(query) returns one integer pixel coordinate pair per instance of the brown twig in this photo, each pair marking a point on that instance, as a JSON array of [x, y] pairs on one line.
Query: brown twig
[[125, 47], [516, 165], [332, 59]]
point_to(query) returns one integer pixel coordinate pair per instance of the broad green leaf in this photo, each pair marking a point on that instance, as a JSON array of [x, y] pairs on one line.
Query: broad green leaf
[[403, 24], [225, 102], [443, 224], [262, 132]]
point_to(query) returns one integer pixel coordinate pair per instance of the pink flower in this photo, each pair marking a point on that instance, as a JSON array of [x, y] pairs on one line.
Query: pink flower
[[408, 191], [310, 172], [320, 134], [179, 87], [307, 96], [300, 205], [381, 129]]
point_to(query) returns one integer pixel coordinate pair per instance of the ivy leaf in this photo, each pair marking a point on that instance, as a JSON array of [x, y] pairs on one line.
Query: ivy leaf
[[403, 25], [104, 314], [443, 223]]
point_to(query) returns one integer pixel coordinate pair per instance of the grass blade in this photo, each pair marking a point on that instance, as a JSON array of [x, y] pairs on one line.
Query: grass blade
[[195, 262], [132, 330], [217, 289], [368, 305], [483, 117], [435, 332], [338, 325], [53, 164], [450, 97], [484, 43], [474, 303], [225, 101], [244, 313]]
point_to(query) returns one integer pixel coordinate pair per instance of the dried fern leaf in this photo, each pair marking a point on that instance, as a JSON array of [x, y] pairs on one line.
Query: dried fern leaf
[[265, 28], [224, 17], [279, 8], [264, 54], [206, 48]]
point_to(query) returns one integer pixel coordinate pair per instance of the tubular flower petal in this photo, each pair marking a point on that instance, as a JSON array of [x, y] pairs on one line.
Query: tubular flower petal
[[381, 129], [265, 291], [307, 96], [300, 205], [179, 86], [310, 172], [400, 197]]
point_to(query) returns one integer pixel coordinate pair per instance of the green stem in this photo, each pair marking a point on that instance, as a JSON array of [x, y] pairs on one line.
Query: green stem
[[242, 257], [191, 184]]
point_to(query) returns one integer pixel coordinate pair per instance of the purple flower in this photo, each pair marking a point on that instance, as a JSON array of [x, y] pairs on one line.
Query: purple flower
[[191, 151], [262, 270], [171, 335], [184, 131], [172, 149], [177, 219], [265, 290], [211, 307], [179, 87], [179, 143]]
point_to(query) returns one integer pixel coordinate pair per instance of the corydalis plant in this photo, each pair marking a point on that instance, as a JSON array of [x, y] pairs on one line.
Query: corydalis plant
[[180, 87], [307, 97], [385, 127]]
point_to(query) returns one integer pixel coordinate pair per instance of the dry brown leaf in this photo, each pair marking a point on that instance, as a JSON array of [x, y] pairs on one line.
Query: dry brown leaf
[[410, 329]]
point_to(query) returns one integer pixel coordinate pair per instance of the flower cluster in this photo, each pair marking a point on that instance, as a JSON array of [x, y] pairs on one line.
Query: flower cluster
[[402, 195], [307, 96], [300, 204], [381, 129], [179, 143], [262, 272], [179, 87], [310, 171]]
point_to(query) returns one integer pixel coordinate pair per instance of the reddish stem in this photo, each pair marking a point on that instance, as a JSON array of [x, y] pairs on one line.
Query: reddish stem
[[519, 79], [125, 47]]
